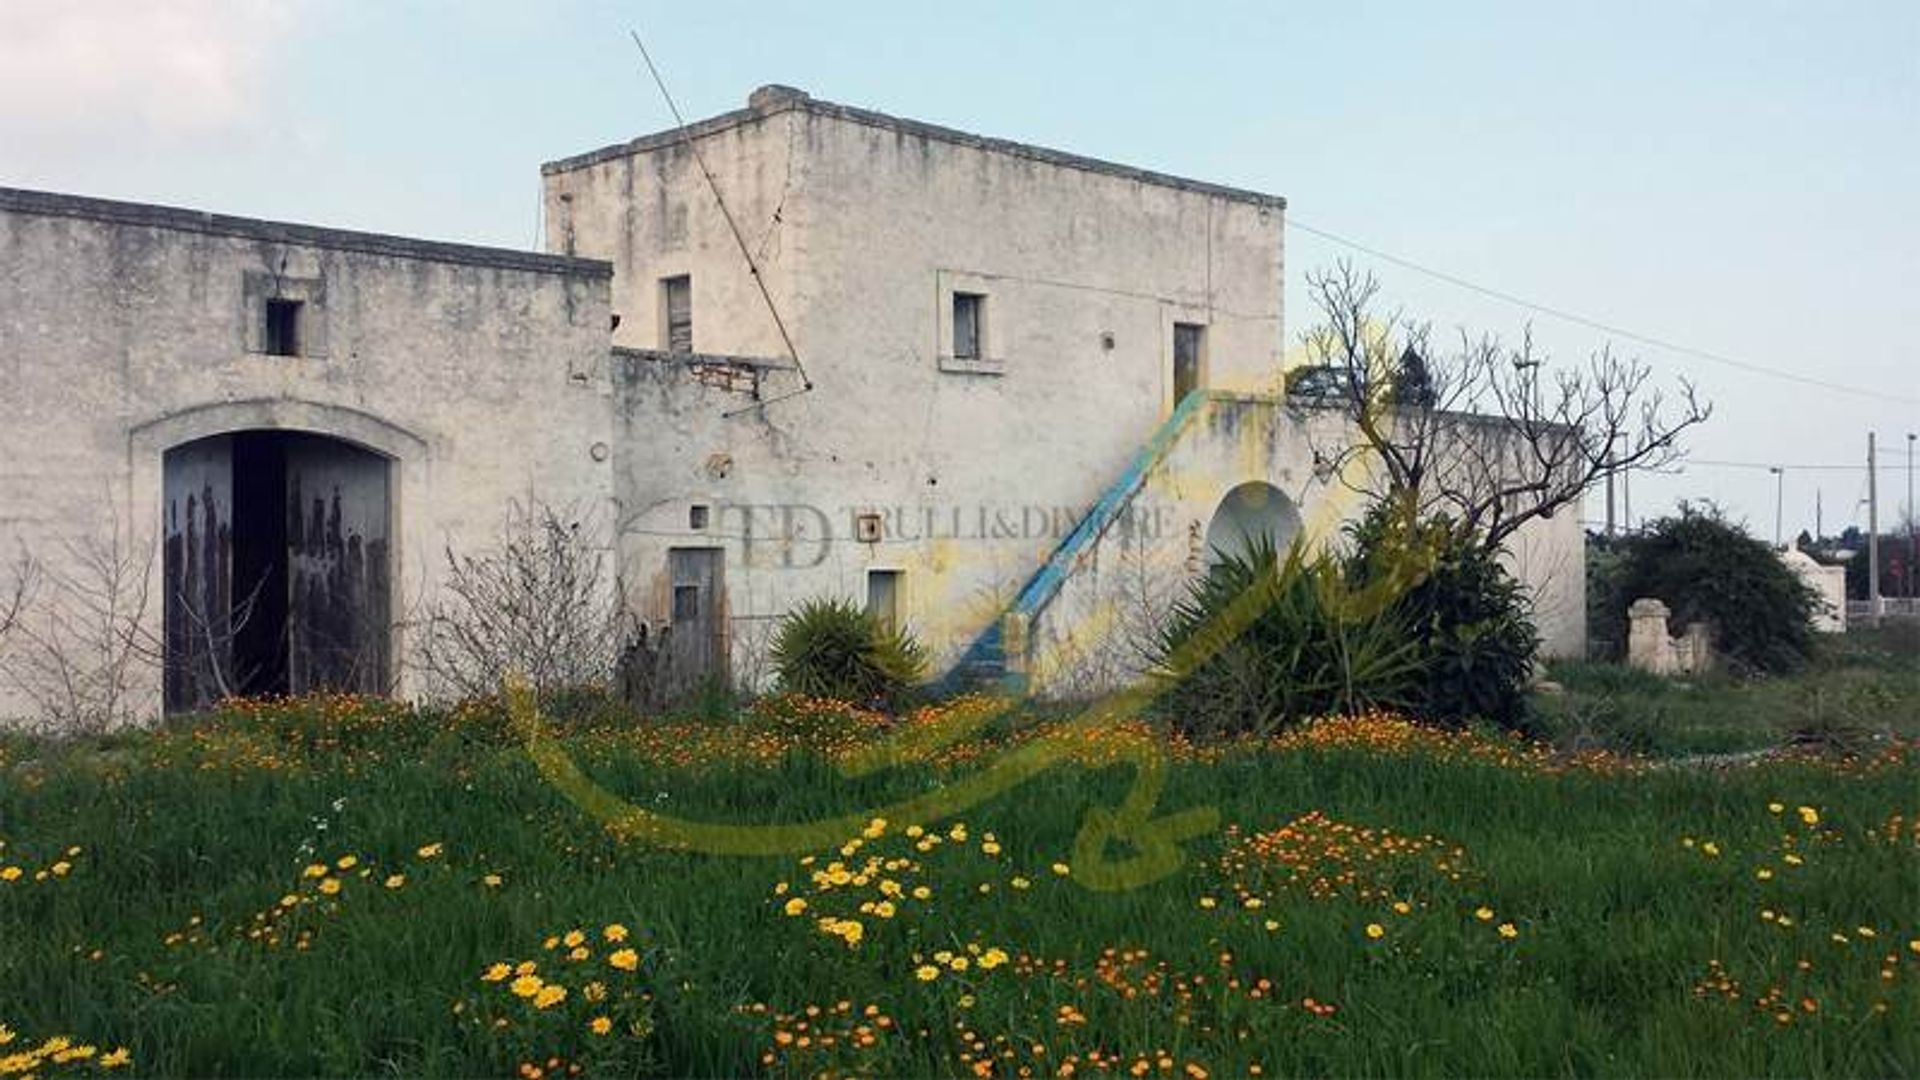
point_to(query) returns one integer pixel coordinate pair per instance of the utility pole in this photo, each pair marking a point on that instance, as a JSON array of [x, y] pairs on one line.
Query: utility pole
[[1819, 519], [1614, 439], [1626, 498], [1873, 535], [1779, 493], [1913, 530]]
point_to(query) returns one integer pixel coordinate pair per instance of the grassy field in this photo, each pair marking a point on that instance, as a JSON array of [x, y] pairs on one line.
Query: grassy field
[[346, 887]]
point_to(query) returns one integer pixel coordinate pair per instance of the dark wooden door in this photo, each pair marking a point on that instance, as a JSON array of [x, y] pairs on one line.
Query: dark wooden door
[[197, 573], [337, 567], [698, 642]]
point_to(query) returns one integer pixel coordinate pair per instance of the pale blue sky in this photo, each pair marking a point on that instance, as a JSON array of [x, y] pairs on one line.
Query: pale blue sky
[[1739, 177]]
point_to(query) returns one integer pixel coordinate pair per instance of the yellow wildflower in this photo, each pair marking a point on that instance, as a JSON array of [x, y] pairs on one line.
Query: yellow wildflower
[[314, 870], [615, 933], [431, 851], [491, 881], [1809, 816], [573, 939], [497, 973], [921, 892], [329, 886], [10, 873], [600, 1025], [395, 881], [624, 959], [549, 996], [1509, 931], [526, 985], [594, 991], [1376, 931], [347, 862], [795, 906], [1484, 914], [119, 1058], [926, 973], [1062, 869]]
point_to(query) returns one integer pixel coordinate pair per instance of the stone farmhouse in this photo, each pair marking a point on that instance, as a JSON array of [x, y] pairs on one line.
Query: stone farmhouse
[[1003, 395]]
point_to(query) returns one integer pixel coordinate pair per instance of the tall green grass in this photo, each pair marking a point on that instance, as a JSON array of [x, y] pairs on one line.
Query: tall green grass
[[1615, 919]]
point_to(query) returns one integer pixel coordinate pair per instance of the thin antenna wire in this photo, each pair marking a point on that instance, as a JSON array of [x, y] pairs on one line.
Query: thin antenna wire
[[753, 267]]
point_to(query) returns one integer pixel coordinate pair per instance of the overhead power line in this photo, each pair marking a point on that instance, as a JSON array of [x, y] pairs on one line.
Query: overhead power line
[[1858, 466], [1600, 325]]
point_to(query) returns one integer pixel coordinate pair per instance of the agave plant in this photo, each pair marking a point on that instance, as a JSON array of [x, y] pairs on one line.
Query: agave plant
[[830, 648], [1265, 640]]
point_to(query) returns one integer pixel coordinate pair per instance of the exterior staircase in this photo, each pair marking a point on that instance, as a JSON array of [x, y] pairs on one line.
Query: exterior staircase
[[985, 663]]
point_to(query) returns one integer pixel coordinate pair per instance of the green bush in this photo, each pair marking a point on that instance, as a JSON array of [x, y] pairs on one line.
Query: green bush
[[832, 649], [1707, 569], [1262, 642], [1471, 620]]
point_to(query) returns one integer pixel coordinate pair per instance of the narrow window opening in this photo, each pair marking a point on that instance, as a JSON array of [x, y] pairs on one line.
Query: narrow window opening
[[676, 295], [883, 597], [969, 322], [1189, 341], [686, 603], [697, 516], [282, 337]]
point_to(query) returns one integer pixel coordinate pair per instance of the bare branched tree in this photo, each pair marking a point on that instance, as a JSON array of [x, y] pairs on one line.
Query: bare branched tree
[[1484, 433], [541, 602]]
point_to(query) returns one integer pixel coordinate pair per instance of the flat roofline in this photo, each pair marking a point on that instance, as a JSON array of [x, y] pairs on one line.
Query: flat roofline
[[772, 101], [56, 204]]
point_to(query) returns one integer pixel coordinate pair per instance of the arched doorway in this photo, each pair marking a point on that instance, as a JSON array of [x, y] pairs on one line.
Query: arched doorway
[[275, 561], [1248, 514]]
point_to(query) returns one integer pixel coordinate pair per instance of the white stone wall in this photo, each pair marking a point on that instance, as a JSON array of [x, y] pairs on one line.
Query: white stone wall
[[979, 469], [124, 330]]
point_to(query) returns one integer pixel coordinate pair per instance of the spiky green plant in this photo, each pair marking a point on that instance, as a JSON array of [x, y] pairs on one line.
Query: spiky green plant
[[830, 648]]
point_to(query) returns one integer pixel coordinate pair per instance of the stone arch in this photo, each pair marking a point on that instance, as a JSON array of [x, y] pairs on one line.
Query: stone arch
[[1247, 514], [278, 528]]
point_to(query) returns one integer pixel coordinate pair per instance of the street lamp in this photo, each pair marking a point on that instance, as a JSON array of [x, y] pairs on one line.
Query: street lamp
[[1779, 489]]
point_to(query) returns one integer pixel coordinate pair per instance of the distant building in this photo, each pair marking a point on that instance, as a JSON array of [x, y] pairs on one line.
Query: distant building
[[1043, 389]]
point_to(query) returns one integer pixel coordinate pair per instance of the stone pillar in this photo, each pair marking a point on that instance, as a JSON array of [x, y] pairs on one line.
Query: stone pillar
[[1648, 647], [1699, 649]]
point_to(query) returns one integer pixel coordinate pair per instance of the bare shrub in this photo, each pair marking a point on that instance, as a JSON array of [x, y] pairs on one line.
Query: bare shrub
[[541, 602], [79, 644]]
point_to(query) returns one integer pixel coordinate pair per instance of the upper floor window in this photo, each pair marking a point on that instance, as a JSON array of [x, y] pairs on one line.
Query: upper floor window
[[1189, 346], [969, 325], [280, 333], [676, 302]]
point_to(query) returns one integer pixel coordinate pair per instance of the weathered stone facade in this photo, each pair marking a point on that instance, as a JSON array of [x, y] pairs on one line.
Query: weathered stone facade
[[997, 342]]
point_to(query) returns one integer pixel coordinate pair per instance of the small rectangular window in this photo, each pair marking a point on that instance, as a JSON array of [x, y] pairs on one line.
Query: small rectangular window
[[282, 336], [697, 516], [676, 301], [883, 597], [969, 324], [686, 603], [1188, 341]]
